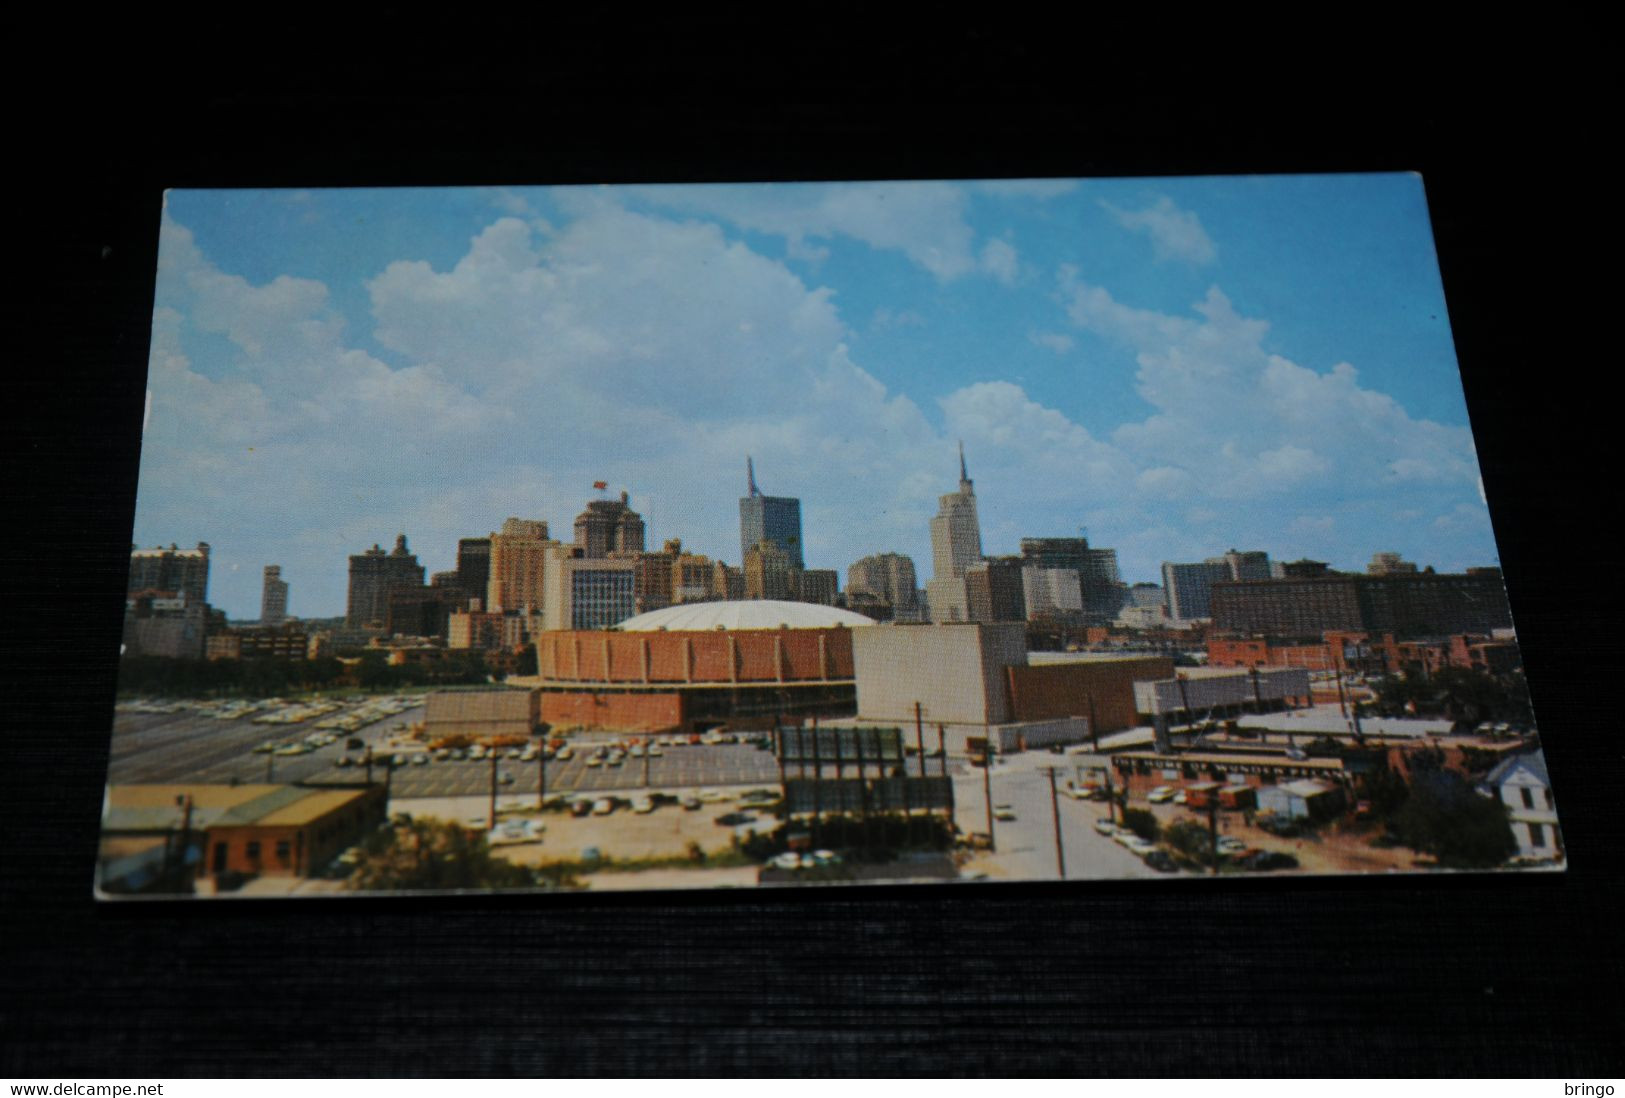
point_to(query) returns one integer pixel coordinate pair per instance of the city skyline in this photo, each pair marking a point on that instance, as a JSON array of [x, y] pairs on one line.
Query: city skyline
[[1178, 365]]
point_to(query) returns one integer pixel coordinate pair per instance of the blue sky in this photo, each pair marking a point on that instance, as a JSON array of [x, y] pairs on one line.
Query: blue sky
[[1180, 366]]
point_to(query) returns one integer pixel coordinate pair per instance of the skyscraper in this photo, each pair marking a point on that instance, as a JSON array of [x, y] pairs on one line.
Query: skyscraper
[[889, 579], [274, 597], [373, 576], [474, 568], [609, 526], [514, 564], [768, 572], [769, 518], [956, 544], [182, 573]]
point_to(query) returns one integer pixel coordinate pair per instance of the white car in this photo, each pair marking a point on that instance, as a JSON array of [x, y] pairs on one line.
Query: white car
[[1139, 845], [603, 807], [643, 806], [1105, 827], [788, 860], [1162, 794], [1003, 812]]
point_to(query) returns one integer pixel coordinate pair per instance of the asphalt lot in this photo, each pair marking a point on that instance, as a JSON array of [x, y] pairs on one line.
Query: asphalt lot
[[157, 748]]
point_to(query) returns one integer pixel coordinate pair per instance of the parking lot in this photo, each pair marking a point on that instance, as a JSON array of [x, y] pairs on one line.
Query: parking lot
[[189, 746]]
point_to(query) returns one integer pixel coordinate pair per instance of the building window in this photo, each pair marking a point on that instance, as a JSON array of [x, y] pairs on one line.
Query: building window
[[1528, 797], [253, 850], [1537, 835], [219, 857], [283, 850]]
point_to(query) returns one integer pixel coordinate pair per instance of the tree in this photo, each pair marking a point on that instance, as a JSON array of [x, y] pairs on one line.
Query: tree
[[1142, 822], [1445, 817], [1190, 840], [434, 855]]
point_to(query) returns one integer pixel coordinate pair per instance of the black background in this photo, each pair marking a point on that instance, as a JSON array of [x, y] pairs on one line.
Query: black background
[[1466, 975]]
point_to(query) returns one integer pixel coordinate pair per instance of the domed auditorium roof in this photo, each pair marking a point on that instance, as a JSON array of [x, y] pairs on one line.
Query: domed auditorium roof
[[743, 614]]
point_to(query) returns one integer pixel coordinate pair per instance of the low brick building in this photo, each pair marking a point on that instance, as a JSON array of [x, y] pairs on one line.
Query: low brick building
[[212, 830]]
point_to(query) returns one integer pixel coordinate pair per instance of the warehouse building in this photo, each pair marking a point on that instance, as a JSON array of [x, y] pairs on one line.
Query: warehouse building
[[977, 681], [207, 833]]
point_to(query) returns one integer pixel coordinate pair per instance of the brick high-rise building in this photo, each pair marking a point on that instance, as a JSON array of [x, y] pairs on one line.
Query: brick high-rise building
[[374, 575], [769, 572], [515, 562], [172, 572], [889, 580], [1406, 605], [994, 590], [609, 526]]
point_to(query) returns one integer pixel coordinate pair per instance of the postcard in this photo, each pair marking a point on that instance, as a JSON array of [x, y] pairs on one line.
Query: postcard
[[809, 535]]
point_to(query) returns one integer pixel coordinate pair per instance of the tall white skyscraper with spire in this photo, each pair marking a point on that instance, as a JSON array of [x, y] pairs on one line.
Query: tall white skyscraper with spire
[[956, 545]]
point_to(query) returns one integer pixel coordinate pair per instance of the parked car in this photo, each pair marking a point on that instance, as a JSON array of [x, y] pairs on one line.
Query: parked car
[[1003, 812], [1162, 794], [1105, 827], [1268, 860], [735, 819], [1161, 861]]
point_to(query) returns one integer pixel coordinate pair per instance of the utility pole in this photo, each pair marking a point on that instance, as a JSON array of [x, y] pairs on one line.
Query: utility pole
[[1111, 795], [1213, 826], [1055, 811], [919, 737], [491, 820], [646, 747], [987, 794], [1342, 706]]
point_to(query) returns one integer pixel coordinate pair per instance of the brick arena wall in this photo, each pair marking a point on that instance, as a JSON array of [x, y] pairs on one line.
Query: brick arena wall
[[754, 655]]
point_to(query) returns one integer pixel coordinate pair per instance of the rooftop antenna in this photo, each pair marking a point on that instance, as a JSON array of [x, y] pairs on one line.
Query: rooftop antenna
[[964, 476], [750, 476]]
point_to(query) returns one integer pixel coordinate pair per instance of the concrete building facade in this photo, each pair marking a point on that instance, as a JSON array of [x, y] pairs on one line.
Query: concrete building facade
[[956, 545], [273, 597]]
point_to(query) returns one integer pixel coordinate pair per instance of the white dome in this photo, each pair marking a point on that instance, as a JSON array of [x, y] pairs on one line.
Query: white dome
[[745, 614]]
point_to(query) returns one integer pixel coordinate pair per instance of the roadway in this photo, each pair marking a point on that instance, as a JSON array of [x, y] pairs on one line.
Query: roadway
[[1026, 844]]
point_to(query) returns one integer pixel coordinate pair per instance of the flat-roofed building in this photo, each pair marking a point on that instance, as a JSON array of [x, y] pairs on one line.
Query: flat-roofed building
[[204, 832], [482, 713], [1197, 691]]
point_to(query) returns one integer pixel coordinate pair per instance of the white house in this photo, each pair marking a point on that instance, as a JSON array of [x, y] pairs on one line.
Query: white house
[[1525, 788]]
